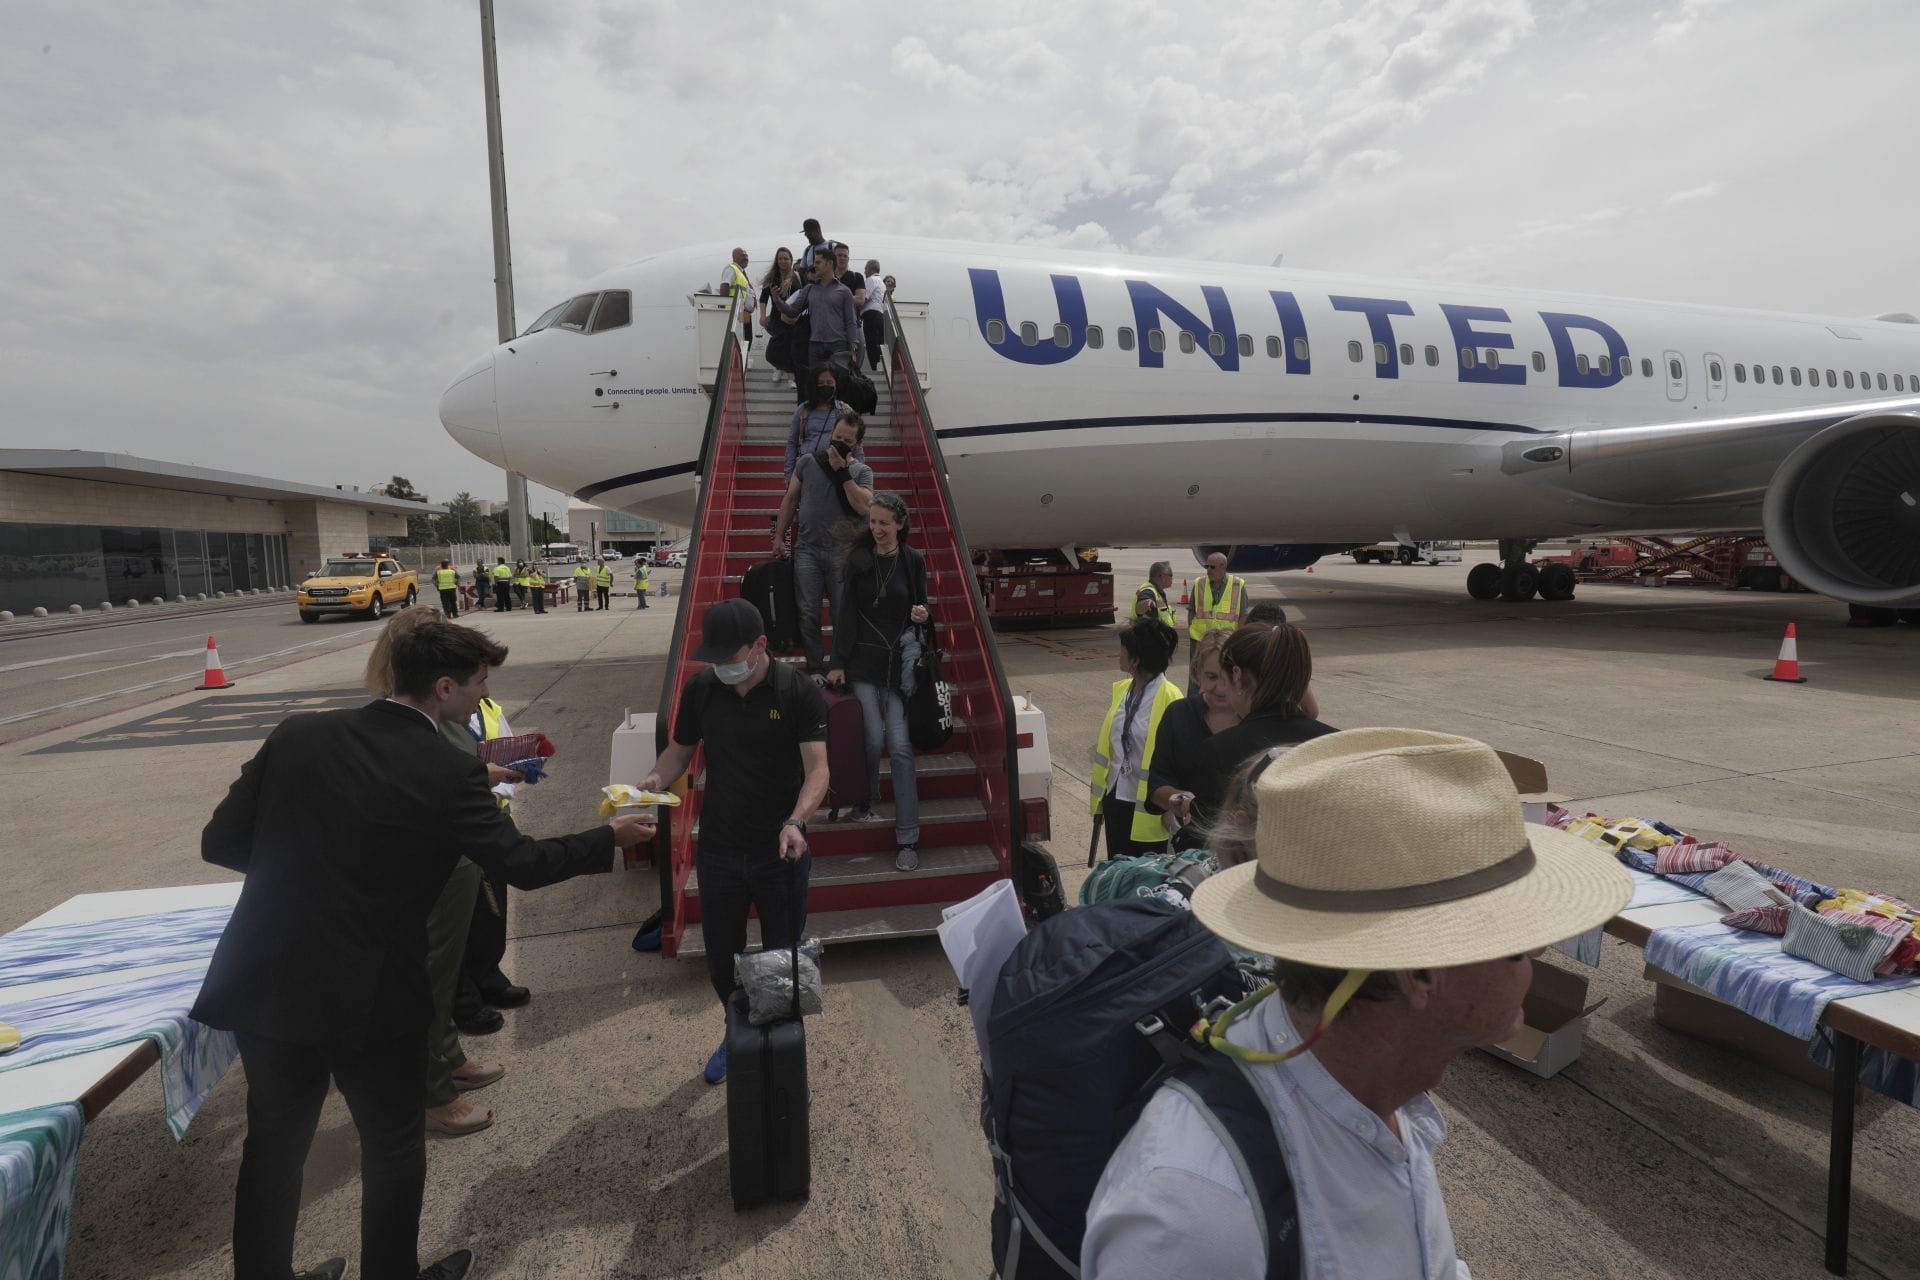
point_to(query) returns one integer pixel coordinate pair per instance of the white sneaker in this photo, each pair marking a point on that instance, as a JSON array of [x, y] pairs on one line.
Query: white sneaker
[[906, 860]]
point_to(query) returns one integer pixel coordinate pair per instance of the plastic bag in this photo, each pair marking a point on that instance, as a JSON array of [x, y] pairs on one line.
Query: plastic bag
[[767, 977], [621, 798]]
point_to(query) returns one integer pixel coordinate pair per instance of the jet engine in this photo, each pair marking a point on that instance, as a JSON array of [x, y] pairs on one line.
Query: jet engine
[[1842, 512], [1267, 557]]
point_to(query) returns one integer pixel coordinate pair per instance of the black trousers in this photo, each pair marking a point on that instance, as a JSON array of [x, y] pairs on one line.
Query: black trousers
[[386, 1092], [486, 947], [450, 602], [602, 597], [1118, 816], [874, 325], [539, 595], [732, 882], [502, 598], [483, 591]]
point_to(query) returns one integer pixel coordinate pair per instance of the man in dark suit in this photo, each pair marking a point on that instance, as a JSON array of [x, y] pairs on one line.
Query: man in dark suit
[[347, 824]]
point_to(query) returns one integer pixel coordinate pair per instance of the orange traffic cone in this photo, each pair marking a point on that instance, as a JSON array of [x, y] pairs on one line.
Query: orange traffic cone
[[1786, 668], [1186, 596], [216, 678]]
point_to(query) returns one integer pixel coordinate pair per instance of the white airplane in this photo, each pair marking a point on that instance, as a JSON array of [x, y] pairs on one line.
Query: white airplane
[[1102, 400]]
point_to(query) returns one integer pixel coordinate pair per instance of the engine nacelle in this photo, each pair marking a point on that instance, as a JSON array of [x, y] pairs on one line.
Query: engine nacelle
[[1272, 557], [1842, 512]]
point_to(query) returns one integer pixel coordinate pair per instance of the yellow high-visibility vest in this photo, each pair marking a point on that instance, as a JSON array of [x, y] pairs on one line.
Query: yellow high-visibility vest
[[742, 287], [446, 579], [1162, 606], [1221, 615], [1147, 827], [603, 576], [493, 724], [581, 574], [643, 575], [501, 573]]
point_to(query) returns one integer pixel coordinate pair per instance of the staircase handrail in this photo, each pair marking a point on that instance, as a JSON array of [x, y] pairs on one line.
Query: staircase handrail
[[1003, 689]]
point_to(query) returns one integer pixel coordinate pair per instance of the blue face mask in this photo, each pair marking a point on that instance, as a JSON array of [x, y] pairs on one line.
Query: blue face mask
[[733, 672]]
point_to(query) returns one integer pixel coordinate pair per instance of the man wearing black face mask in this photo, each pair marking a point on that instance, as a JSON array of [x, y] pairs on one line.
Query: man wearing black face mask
[[765, 726], [830, 490], [815, 418]]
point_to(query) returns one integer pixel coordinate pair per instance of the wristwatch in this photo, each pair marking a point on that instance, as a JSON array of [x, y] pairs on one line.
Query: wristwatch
[[796, 822]]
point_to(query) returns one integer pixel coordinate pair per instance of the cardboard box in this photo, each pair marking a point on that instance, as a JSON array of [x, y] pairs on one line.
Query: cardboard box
[[1681, 1006], [1530, 779], [1556, 1013]]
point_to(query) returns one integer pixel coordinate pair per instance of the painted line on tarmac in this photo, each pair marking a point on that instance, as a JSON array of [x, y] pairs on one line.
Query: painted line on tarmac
[[153, 684], [138, 662]]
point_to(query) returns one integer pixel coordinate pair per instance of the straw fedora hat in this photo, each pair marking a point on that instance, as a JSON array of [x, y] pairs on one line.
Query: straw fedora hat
[[1402, 849]]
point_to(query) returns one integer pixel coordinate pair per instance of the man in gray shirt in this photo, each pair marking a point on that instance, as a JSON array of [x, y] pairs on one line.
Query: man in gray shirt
[[828, 306], [830, 489]]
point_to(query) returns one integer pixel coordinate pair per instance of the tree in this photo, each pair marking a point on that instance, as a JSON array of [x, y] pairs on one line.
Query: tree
[[402, 488]]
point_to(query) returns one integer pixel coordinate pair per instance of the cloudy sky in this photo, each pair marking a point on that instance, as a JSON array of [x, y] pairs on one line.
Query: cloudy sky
[[256, 235]]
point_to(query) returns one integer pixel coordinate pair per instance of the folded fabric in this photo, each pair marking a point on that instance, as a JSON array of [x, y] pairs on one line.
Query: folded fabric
[[1559, 818], [1844, 943], [1869, 904], [531, 770], [1750, 972], [1899, 930], [39, 1161], [1737, 887], [1634, 833], [1691, 855], [1759, 919]]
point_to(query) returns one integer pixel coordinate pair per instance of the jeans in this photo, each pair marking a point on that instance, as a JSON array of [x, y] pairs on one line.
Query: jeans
[[838, 354], [447, 926], [732, 882], [286, 1084], [816, 575], [891, 729]]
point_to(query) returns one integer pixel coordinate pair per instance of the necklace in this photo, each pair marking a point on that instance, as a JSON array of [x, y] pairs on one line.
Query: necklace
[[883, 577]]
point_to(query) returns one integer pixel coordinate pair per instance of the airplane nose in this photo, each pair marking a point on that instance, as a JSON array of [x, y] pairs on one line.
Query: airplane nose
[[469, 411]]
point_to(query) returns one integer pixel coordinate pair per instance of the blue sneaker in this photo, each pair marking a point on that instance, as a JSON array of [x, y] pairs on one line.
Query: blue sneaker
[[647, 939], [717, 1065]]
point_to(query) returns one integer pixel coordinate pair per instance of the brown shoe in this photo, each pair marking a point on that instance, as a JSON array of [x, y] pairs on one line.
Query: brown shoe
[[471, 1075], [458, 1118]]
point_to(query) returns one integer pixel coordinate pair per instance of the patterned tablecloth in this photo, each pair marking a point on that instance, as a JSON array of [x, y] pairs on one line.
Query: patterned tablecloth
[[39, 1158]]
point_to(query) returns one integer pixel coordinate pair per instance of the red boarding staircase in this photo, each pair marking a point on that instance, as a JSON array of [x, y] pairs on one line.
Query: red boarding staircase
[[969, 803]]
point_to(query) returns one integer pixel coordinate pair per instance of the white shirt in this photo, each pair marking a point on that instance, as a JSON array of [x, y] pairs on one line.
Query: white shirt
[[876, 294], [1172, 1204], [1127, 742]]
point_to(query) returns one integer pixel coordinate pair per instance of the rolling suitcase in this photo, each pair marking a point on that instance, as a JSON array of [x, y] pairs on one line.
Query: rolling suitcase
[[769, 1148], [769, 586], [846, 755]]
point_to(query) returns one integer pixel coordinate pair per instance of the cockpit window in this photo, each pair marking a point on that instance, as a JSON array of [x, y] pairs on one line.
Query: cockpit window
[[546, 318], [575, 314], [616, 311]]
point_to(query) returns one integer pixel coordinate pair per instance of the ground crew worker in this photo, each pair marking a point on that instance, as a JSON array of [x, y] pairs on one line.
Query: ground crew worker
[[642, 579], [502, 586], [446, 579], [482, 584], [582, 587], [1219, 600], [602, 584], [1151, 600], [537, 587], [520, 582]]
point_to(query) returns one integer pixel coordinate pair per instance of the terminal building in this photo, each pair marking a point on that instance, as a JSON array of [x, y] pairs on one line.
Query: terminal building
[[599, 528], [89, 528]]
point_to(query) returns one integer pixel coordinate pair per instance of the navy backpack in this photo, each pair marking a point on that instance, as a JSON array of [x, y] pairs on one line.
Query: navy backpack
[[1090, 1016]]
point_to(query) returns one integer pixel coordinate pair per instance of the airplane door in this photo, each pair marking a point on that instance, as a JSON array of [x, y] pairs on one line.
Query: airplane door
[[1716, 377], [1676, 376]]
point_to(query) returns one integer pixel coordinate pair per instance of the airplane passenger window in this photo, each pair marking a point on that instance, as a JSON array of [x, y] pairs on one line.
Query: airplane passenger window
[[996, 332], [1095, 338], [1582, 364], [1626, 366], [1466, 358], [1606, 365], [577, 312], [1539, 362], [1299, 348], [1830, 379], [1714, 372], [1406, 353], [1493, 358], [1433, 355], [1126, 338], [1776, 375], [1380, 355], [1186, 342], [1062, 336], [616, 311], [1353, 352], [1246, 344], [1029, 334], [1866, 381], [1739, 373], [1881, 378], [1646, 366], [1846, 379], [1674, 371], [1795, 371], [1216, 344], [1898, 384], [1273, 347], [1156, 340], [546, 318]]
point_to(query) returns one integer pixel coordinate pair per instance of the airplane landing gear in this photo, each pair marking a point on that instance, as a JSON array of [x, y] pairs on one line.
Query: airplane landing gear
[[1515, 579], [1483, 582]]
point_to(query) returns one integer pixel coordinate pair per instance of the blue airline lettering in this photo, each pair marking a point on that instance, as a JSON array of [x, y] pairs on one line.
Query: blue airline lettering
[[1379, 313], [989, 303], [1292, 325], [1150, 303], [1460, 319], [1558, 323]]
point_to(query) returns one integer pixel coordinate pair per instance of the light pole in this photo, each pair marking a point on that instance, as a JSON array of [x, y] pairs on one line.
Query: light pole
[[502, 262]]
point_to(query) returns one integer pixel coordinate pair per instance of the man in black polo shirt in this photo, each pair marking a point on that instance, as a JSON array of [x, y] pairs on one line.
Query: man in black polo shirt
[[765, 727]]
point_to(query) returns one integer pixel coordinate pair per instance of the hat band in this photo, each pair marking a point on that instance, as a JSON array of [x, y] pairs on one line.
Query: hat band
[[1399, 897]]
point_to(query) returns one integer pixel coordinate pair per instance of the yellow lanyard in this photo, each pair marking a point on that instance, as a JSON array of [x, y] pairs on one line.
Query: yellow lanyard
[[1214, 1034]]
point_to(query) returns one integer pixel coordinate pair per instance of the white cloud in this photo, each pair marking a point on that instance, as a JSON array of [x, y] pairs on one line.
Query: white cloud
[[1691, 194]]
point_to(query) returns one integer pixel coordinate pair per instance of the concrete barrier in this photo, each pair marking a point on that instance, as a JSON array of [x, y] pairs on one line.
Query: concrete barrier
[[74, 608], [39, 611], [6, 615]]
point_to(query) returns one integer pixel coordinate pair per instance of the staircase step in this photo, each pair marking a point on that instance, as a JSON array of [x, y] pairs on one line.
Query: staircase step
[[877, 868], [865, 924]]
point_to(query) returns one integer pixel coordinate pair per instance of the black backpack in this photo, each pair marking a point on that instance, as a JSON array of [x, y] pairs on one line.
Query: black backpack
[[1090, 1017]]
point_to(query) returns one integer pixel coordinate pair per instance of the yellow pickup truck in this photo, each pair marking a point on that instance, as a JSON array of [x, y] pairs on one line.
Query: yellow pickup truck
[[367, 583]]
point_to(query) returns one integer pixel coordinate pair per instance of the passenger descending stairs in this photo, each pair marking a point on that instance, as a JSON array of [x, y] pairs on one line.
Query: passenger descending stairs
[[968, 804]]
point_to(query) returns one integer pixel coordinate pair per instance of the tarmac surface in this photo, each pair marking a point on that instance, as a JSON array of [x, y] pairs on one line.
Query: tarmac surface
[[1652, 1155]]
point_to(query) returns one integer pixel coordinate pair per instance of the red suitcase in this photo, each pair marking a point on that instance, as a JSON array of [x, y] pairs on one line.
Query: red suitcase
[[846, 754]]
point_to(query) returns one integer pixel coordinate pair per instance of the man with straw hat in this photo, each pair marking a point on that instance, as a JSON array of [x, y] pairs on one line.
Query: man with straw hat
[[1404, 898]]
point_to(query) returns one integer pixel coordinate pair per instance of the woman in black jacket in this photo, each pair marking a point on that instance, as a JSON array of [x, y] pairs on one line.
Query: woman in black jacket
[[883, 598]]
